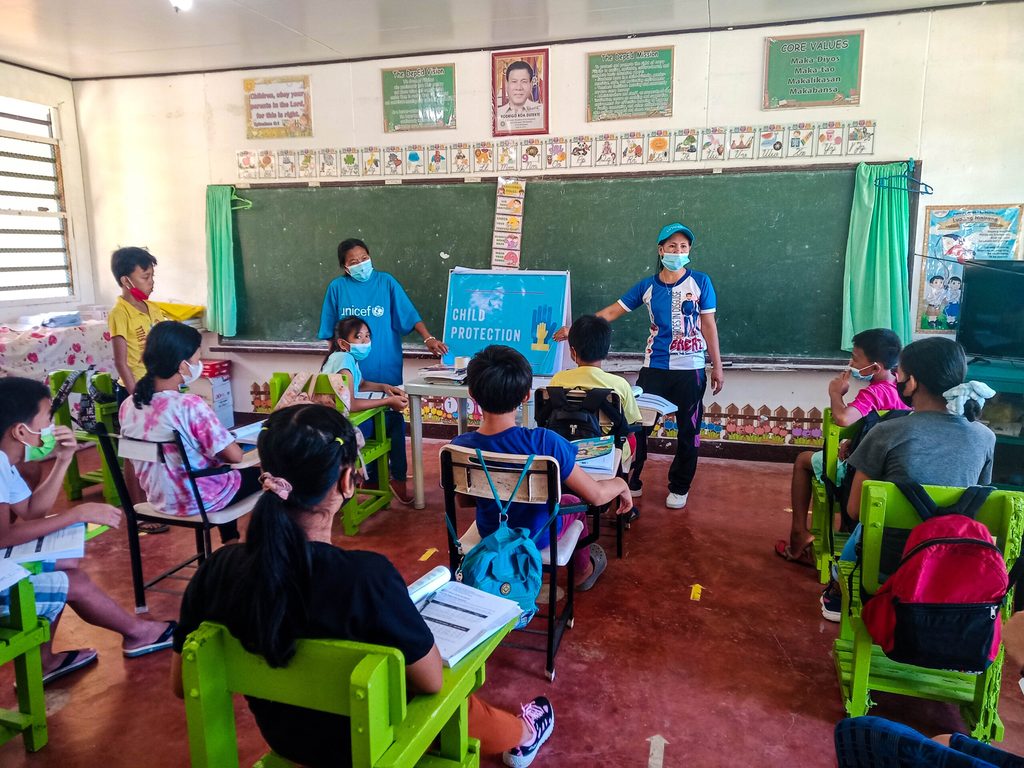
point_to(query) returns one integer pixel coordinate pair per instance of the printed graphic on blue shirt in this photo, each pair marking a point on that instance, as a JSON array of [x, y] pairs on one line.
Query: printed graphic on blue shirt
[[676, 341]]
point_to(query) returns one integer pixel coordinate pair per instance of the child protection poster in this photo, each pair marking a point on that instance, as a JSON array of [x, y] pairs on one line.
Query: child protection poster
[[520, 309]]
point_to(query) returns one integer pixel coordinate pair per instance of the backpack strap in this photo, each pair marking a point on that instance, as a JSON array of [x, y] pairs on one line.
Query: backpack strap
[[504, 505], [64, 392], [556, 399], [970, 501], [919, 499]]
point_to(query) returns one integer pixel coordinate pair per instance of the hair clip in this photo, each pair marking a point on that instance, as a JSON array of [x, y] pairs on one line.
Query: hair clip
[[340, 441]]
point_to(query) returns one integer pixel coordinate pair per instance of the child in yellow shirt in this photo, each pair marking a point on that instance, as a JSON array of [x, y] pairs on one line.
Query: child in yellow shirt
[[590, 338], [132, 315]]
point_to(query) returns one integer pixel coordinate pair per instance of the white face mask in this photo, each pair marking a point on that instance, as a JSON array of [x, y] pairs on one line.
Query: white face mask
[[195, 370]]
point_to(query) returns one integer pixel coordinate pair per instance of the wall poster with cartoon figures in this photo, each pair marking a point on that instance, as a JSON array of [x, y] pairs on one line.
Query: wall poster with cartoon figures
[[953, 236], [519, 90]]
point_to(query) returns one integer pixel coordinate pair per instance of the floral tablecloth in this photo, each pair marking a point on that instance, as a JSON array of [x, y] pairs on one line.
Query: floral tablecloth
[[34, 352]]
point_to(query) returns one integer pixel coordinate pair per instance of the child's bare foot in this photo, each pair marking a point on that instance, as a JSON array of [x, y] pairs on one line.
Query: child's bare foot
[[155, 636]]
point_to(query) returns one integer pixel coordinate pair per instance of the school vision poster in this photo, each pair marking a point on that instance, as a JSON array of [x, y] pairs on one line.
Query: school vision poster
[[955, 235], [520, 309]]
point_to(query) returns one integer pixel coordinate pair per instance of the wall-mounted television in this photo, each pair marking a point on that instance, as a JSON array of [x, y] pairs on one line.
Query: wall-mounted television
[[991, 313]]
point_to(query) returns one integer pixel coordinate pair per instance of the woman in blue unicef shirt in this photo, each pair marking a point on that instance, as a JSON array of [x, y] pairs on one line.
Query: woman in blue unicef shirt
[[379, 299], [684, 339]]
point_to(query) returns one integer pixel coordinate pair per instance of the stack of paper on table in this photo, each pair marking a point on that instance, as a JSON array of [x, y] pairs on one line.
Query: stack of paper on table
[[656, 403], [249, 434], [596, 454], [460, 617], [442, 374], [67, 543]]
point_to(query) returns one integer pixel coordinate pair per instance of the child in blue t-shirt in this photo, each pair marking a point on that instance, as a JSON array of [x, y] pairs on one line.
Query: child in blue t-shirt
[[356, 333], [499, 380]]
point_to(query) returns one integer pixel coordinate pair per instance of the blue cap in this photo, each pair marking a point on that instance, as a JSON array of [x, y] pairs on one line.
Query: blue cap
[[670, 229]]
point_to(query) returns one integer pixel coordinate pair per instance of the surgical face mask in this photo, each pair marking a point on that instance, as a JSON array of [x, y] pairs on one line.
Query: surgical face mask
[[45, 448], [901, 387], [361, 271], [195, 370], [135, 293], [359, 351], [673, 262], [856, 373]]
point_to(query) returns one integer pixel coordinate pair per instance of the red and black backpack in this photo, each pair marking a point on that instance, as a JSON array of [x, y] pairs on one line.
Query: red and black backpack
[[940, 607]]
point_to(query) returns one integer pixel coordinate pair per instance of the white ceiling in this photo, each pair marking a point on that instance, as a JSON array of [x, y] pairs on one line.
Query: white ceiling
[[101, 38]]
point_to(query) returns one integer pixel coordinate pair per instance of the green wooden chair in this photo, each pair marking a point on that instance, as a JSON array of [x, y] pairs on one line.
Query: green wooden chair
[[367, 500], [363, 682], [861, 665], [828, 541], [21, 634], [75, 481]]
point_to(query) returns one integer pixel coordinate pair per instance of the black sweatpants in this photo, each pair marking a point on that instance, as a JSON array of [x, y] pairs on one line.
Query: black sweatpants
[[685, 389]]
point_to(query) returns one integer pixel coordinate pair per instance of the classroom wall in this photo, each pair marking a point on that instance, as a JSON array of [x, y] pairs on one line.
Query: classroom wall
[[943, 86], [56, 92]]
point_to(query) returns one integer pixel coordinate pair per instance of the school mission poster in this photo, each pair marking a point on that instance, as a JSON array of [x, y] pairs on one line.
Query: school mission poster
[[955, 235]]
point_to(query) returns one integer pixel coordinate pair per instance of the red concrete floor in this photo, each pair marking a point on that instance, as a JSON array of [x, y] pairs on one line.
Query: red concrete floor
[[742, 677]]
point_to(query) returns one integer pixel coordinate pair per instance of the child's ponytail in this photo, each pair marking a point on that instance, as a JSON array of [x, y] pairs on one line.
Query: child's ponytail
[[145, 388], [169, 343]]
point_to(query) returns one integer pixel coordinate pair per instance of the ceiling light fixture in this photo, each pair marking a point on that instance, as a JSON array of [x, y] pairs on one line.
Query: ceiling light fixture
[[182, 5]]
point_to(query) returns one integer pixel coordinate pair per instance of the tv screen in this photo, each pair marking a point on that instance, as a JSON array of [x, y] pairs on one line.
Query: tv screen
[[991, 322]]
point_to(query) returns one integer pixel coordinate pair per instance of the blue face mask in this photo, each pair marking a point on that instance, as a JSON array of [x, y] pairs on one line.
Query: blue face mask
[[359, 351], [673, 262], [361, 271], [856, 373]]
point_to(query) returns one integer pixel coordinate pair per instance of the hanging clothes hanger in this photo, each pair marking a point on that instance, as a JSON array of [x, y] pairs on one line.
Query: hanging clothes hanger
[[242, 203], [905, 182]]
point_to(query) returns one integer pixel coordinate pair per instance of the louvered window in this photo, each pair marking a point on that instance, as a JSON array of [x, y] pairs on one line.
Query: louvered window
[[34, 258]]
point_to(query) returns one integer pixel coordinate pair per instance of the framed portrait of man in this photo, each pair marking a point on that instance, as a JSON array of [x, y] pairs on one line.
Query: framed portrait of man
[[519, 87]]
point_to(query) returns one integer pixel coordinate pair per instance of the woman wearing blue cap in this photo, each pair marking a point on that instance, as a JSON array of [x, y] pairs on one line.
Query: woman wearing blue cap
[[681, 303]]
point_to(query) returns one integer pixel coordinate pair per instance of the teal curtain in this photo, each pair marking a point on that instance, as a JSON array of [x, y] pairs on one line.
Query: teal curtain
[[221, 307], [876, 292]]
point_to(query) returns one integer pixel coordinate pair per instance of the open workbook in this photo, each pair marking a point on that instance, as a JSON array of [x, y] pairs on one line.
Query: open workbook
[[67, 543], [459, 617], [10, 574]]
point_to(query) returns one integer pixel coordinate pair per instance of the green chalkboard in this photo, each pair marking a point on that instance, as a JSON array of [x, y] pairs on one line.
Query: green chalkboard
[[772, 242]]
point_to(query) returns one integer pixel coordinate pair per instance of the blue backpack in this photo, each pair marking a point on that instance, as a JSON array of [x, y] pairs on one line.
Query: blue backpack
[[507, 563]]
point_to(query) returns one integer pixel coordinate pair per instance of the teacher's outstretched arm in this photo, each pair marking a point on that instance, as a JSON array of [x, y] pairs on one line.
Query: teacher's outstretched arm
[[609, 313], [709, 327]]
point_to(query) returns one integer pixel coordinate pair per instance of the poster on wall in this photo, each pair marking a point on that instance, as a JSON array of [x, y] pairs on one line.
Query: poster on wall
[[628, 84], [812, 71], [418, 98], [278, 107], [507, 244], [953, 236], [519, 92]]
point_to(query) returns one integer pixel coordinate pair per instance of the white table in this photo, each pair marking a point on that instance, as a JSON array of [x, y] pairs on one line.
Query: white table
[[417, 389]]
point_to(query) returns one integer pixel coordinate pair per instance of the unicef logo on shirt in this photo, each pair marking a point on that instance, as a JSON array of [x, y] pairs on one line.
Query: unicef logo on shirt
[[378, 311]]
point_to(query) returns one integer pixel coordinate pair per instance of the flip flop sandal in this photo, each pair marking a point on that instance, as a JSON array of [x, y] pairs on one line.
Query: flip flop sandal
[[166, 640], [73, 660], [147, 527], [600, 561], [804, 557]]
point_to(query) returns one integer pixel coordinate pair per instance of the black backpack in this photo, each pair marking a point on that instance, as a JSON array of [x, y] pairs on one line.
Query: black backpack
[[87, 405], [576, 417], [840, 494]]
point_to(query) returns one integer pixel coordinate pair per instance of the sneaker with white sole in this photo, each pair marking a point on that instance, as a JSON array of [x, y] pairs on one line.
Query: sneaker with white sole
[[539, 715], [636, 489], [676, 500], [832, 603]]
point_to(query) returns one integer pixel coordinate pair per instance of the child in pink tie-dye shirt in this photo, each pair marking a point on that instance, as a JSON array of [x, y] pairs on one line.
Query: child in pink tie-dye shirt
[[158, 409]]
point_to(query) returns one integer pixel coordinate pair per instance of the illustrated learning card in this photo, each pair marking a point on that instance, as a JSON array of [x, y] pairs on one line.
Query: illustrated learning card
[[658, 145], [414, 164], [631, 145], [328, 163], [483, 157], [394, 161], [712, 144], [371, 161], [307, 163], [741, 142], [771, 142], [556, 152], [287, 166], [606, 149], [860, 137], [800, 140], [348, 160], [247, 164], [831, 138], [532, 155], [581, 155], [508, 155], [437, 159], [459, 155], [685, 146]]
